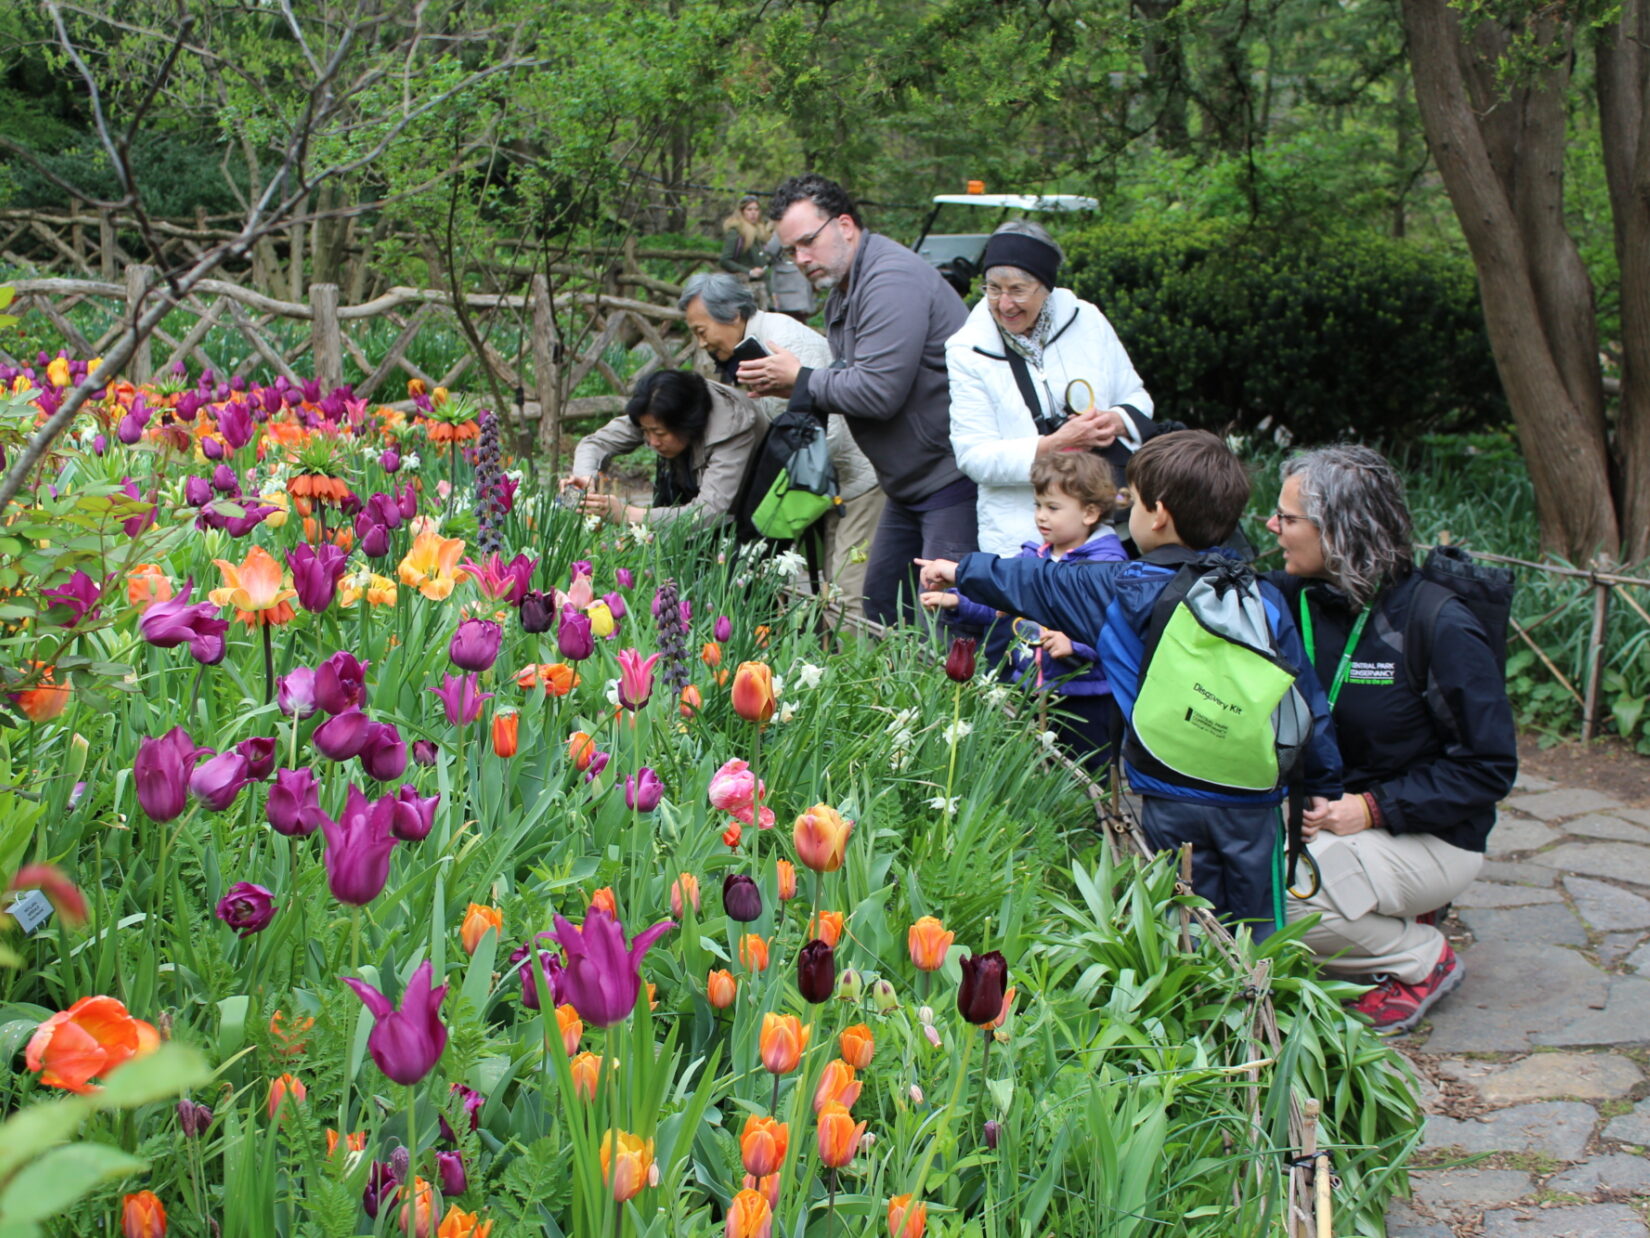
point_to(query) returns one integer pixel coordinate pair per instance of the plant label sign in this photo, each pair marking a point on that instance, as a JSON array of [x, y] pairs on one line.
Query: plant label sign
[[31, 911]]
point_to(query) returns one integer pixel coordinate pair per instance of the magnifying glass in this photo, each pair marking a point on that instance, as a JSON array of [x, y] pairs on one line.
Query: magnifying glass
[[1079, 389], [1027, 631]]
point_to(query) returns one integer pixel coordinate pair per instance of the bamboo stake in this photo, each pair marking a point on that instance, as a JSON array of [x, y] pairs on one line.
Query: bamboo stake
[[1309, 1152], [1185, 912], [1595, 658], [1320, 1179]]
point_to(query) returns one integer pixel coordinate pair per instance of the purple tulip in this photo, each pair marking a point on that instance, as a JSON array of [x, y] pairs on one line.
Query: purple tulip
[[405, 1043], [390, 461], [224, 480], [372, 537], [384, 509], [473, 1102], [80, 595], [235, 424], [424, 751], [161, 772], [219, 780], [573, 635], [643, 790], [475, 645], [100, 445], [129, 429], [169, 624], [133, 525], [358, 848], [293, 807], [316, 571], [414, 814], [615, 605], [193, 1118], [211, 448], [341, 683], [449, 1168], [197, 491], [407, 500], [343, 736], [598, 763], [580, 567], [603, 978], [247, 908], [260, 757], [723, 628], [625, 577], [187, 406], [382, 1186], [295, 692], [549, 970], [384, 755], [462, 696]]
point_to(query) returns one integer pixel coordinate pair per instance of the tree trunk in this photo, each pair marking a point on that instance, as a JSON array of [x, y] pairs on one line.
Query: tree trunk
[[1502, 166]]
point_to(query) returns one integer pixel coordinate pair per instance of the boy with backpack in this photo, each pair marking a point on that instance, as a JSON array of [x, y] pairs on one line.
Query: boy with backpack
[[1220, 702]]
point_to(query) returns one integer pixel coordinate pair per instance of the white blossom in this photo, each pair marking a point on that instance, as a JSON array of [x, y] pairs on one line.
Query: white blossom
[[613, 692], [809, 675], [940, 804], [1048, 739], [959, 730], [410, 460], [787, 711]]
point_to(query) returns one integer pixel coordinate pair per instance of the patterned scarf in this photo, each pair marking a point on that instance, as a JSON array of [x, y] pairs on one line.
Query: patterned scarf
[[1031, 344]]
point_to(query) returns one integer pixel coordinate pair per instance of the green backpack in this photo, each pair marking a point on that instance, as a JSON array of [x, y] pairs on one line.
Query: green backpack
[[1218, 709], [791, 481]]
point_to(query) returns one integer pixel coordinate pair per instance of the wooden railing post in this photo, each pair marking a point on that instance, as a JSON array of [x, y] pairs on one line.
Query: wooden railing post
[[1595, 650], [546, 368], [326, 340], [138, 280], [105, 246]]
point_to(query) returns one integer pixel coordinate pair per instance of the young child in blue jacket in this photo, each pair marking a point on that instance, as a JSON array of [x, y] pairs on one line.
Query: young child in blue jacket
[[1189, 492], [1075, 495]]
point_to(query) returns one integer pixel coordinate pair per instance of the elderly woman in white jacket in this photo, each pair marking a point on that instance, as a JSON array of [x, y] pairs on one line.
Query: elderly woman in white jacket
[[1025, 340]]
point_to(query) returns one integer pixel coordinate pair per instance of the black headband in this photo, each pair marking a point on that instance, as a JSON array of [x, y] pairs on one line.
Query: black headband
[[1014, 249]]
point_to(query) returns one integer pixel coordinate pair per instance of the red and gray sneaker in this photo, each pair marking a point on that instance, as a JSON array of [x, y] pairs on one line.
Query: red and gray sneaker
[[1395, 1007]]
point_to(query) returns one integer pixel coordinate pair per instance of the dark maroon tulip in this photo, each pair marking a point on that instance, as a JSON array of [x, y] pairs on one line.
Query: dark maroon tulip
[[816, 971], [741, 898], [343, 736], [573, 636], [993, 1133], [193, 1118], [161, 772], [260, 757], [475, 645], [424, 752], [358, 850], [219, 779], [414, 813], [295, 692], [384, 755], [316, 571], [537, 612], [247, 908], [959, 663], [548, 971], [293, 807], [405, 1043], [341, 683], [449, 1168], [980, 995]]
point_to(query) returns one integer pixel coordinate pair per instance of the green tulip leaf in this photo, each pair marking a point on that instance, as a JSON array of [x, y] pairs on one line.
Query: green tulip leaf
[[61, 1177]]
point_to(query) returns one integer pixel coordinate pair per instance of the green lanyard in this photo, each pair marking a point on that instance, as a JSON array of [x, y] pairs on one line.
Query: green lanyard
[[1346, 654]]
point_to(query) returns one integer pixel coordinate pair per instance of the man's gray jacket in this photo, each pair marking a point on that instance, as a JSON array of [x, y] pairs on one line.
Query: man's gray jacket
[[887, 330]]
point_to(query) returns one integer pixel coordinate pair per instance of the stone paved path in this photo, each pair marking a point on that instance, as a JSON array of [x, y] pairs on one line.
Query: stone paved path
[[1542, 1057]]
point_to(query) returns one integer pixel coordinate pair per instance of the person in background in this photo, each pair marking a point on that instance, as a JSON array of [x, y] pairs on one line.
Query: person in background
[[721, 313], [1424, 768], [744, 234], [887, 319], [1028, 340], [703, 434], [789, 291]]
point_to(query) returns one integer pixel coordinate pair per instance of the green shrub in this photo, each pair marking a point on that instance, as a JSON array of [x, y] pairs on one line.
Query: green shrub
[[1351, 335]]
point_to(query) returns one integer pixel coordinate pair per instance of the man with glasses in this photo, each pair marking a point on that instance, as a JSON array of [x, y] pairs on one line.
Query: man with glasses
[[887, 319]]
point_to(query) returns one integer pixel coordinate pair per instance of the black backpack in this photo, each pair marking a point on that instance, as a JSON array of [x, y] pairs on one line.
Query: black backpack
[[1450, 572]]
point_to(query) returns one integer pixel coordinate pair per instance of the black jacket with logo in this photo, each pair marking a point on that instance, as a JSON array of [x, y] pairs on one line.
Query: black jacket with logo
[[1433, 769]]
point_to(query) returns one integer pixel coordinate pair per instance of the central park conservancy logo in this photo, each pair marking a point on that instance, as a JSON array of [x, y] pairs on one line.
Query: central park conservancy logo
[[1372, 673]]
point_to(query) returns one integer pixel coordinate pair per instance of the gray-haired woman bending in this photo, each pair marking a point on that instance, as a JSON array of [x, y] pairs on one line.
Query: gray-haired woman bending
[[1426, 762]]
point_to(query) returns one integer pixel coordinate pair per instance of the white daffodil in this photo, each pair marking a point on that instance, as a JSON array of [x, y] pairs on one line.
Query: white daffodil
[[809, 675], [958, 730]]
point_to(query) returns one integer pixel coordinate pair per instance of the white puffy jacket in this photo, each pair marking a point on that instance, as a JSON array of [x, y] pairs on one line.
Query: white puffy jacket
[[992, 433]]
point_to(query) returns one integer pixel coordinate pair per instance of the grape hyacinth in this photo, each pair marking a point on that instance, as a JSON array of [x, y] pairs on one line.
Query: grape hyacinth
[[489, 484], [673, 631]]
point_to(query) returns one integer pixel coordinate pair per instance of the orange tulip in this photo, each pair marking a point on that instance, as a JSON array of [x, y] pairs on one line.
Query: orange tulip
[[753, 952], [290, 1041], [86, 1041], [1008, 1005], [753, 698], [749, 1216], [142, 1216], [559, 679], [783, 1039], [416, 387], [856, 1045], [767, 1187], [762, 632], [572, 1028], [684, 890], [838, 1136], [787, 880], [711, 654], [147, 584], [283, 1086], [431, 566], [506, 734], [461, 1224], [581, 750], [762, 1145], [479, 920], [928, 940], [838, 1084], [355, 1141], [721, 988], [627, 1160], [418, 1215], [732, 835], [692, 701], [827, 926], [605, 900], [44, 701], [905, 1219], [587, 1069], [821, 838], [256, 587]]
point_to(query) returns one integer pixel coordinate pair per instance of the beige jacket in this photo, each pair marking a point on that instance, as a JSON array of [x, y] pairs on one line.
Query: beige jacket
[[718, 457]]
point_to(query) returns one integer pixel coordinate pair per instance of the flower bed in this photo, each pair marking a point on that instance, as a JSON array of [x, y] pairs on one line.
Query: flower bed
[[423, 859]]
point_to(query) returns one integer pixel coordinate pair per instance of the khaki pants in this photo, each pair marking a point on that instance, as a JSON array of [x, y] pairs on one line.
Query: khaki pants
[[1374, 884], [854, 528]]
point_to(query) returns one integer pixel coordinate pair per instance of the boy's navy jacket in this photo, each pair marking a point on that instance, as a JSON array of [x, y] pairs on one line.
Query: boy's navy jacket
[[1089, 678], [1110, 605]]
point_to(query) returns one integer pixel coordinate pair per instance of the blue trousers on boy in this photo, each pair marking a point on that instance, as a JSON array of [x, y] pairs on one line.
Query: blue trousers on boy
[[1232, 853]]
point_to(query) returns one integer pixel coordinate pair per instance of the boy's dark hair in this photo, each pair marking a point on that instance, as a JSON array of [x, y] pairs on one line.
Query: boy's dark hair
[[1083, 475], [831, 198], [1198, 478], [679, 399]]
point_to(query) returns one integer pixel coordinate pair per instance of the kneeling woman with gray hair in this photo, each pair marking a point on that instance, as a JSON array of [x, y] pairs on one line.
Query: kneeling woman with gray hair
[[1421, 716]]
